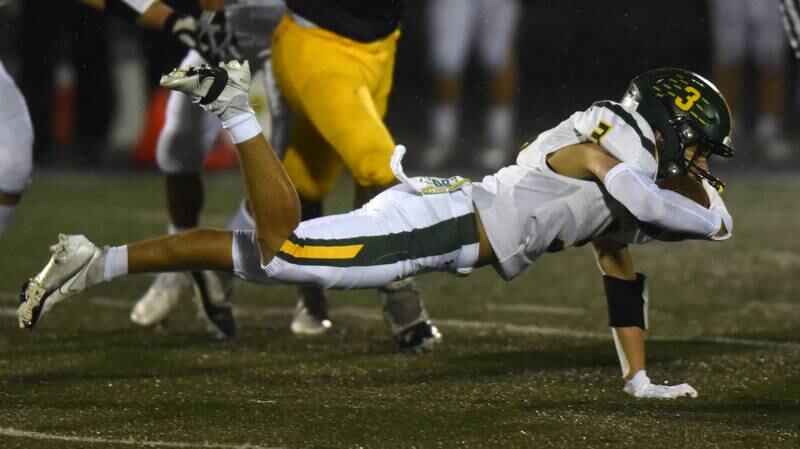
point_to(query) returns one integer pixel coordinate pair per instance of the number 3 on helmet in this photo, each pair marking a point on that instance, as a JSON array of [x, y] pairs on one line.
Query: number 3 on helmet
[[687, 109]]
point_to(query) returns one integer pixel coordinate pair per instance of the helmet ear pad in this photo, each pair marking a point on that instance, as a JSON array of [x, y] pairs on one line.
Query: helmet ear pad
[[669, 149]]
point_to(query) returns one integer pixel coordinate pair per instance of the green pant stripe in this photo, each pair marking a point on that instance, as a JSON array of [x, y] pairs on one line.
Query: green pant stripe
[[434, 240]]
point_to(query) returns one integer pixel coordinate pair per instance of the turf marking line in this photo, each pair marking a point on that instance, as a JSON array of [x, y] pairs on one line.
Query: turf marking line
[[370, 314], [529, 329], [10, 432], [531, 308], [109, 302]]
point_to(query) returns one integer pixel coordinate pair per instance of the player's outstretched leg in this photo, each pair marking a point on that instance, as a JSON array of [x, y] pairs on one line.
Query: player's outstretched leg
[[75, 265], [78, 264]]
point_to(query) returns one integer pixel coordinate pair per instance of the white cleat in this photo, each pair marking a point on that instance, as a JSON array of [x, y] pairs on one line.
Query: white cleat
[[161, 298], [311, 315], [75, 265], [222, 90]]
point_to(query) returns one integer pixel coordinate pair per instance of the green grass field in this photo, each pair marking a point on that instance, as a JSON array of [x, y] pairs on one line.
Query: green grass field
[[526, 364]]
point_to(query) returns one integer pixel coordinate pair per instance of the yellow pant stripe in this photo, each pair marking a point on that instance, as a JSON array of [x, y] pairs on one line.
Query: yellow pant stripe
[[320, 252]]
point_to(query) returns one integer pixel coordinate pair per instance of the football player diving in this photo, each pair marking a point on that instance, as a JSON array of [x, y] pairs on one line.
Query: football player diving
[[590, 179]]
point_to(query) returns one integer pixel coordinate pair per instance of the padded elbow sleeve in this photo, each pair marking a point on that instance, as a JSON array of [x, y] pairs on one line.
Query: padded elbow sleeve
[[663, 208], [627, 301]]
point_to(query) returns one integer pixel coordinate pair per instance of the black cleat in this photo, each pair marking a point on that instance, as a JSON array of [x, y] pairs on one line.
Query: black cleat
[[214, 295]]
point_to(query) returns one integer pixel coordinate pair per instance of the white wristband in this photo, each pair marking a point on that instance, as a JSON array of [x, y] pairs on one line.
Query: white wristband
[[242, 127]]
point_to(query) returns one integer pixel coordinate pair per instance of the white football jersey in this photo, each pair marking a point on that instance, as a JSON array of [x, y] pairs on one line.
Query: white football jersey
[[528, 209]]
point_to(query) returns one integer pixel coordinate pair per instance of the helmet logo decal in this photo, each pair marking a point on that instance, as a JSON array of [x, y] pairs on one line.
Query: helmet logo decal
[[600, 131], [688, 102]]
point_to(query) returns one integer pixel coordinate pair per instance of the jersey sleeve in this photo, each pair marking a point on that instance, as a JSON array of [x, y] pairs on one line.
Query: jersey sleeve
[[621, 132]]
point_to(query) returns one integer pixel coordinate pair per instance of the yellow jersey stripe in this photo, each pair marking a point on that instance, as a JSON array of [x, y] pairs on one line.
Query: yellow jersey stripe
[[320, 252]]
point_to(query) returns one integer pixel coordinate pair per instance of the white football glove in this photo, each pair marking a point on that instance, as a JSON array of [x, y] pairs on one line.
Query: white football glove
[[639, 386], [222, 90]]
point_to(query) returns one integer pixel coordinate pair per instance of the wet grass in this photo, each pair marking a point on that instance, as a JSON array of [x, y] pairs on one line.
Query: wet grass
[[721, 316]]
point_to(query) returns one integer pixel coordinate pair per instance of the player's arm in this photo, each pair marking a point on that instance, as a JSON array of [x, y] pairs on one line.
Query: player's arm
[[208, 34], [626, 294], [632, 187], [212, 5], [627, 308], [147, 13]]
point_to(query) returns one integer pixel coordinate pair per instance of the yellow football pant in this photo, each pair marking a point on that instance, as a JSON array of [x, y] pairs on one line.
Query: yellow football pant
[[338, 90]]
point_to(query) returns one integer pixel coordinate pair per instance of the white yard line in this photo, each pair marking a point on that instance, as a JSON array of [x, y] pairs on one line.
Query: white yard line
[[8, 311], [374, 314], [109, 302], [532, 308], [11, 432], [524, 329]]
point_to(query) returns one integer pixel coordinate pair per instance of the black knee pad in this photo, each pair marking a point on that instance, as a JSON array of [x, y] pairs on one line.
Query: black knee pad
[[627, 301]]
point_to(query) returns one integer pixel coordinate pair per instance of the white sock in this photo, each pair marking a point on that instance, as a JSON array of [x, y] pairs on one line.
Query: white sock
[[5, 216], [499, 126], [242, 219], [116, 262], [444, 123]]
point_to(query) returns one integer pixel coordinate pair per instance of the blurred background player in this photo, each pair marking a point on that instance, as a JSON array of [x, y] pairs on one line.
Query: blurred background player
[[334, 62], [455, 27], [749, 31], [189, 134], [16, 147], [16, 129], [790, 10]]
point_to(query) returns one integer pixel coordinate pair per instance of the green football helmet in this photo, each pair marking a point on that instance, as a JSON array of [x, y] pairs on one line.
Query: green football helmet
[[687, 109]]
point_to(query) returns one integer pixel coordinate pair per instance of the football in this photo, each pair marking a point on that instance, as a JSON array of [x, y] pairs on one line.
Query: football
[[686, 186], [683, 185]]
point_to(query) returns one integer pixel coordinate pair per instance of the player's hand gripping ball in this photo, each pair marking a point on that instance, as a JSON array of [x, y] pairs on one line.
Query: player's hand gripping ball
[[683, 185]]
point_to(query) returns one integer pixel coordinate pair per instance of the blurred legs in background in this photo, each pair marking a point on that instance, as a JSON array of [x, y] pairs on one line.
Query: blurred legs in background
[[748, 31], [455, 27]]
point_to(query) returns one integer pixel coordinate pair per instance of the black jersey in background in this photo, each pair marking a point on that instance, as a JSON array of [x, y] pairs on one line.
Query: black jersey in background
[[360, 20]]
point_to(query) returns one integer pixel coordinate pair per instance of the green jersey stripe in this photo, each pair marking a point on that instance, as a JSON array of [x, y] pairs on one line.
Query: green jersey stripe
[[437, 239], [628, 118]]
